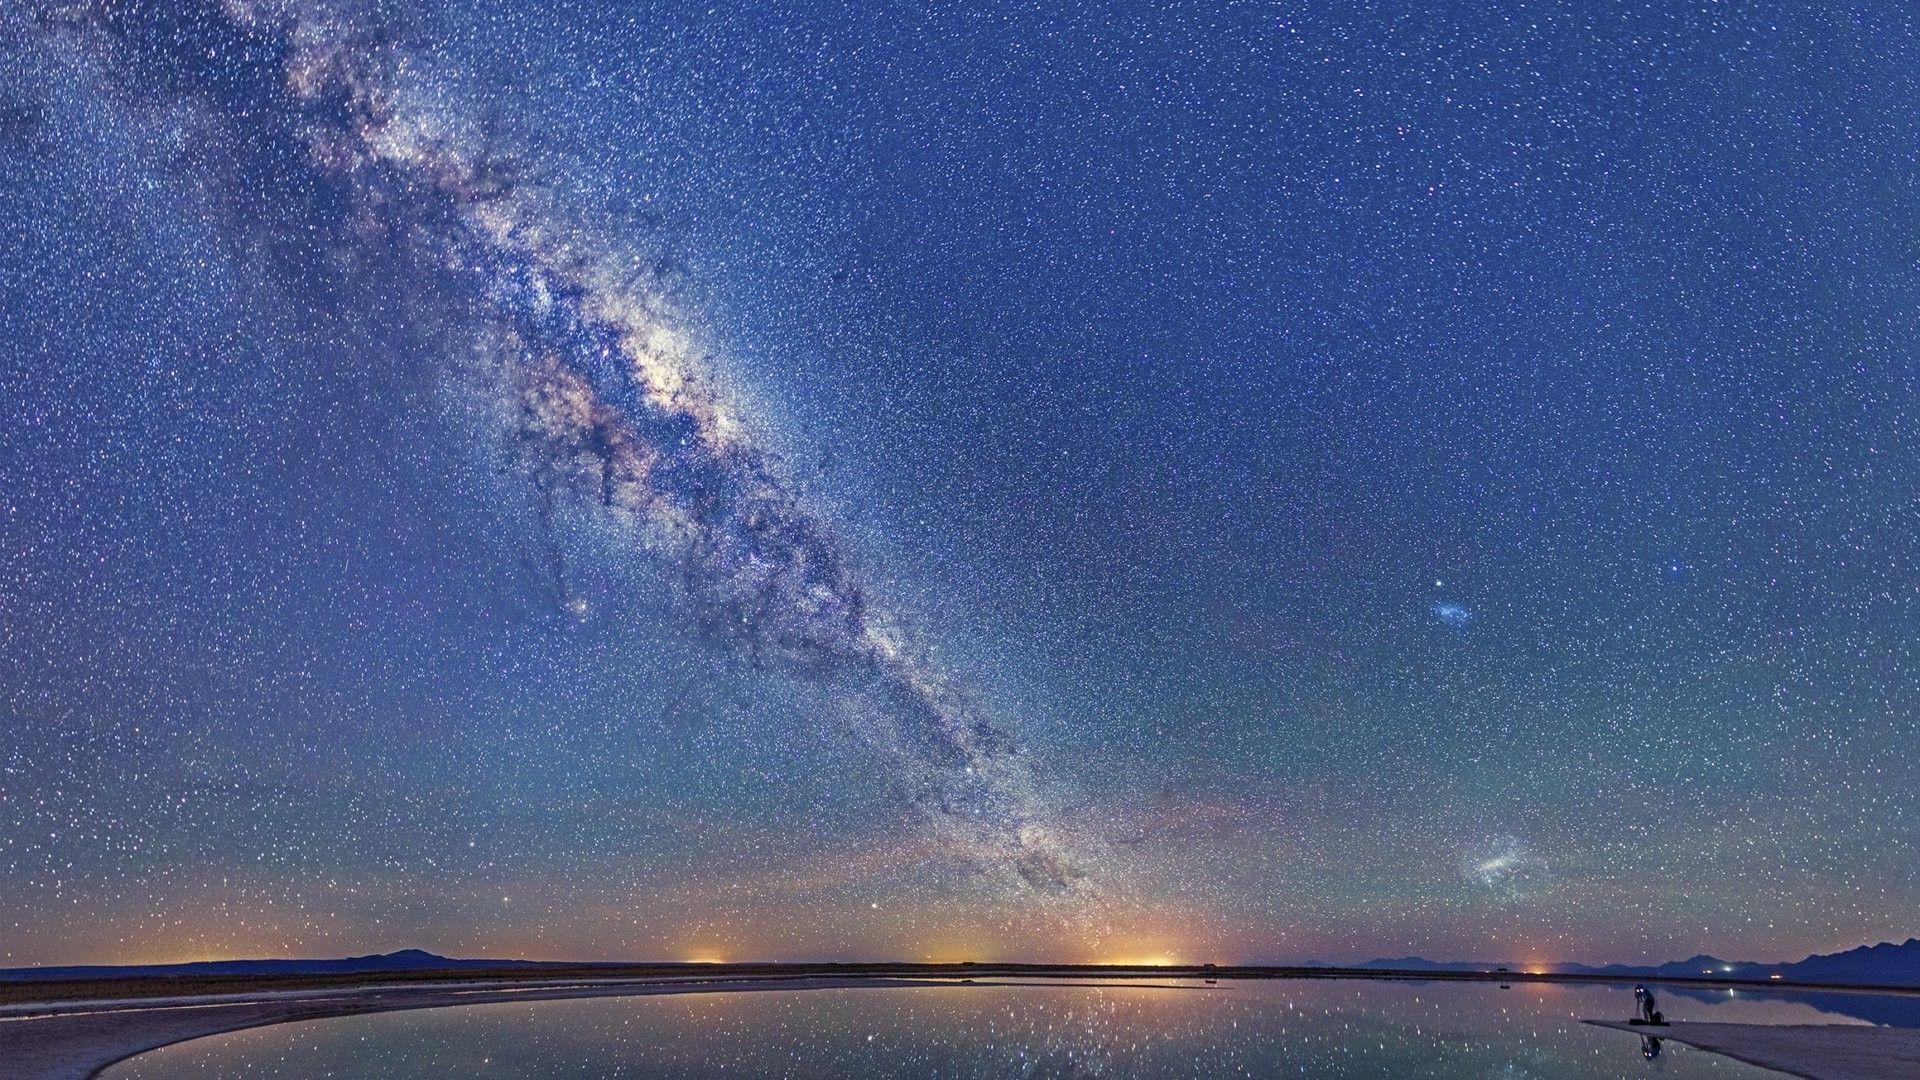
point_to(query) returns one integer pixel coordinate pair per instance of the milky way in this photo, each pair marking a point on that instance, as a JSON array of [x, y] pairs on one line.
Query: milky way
[[608, 399], [589, 477]]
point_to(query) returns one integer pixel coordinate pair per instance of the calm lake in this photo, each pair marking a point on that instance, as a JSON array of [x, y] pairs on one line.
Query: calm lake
[[1171, 1028]]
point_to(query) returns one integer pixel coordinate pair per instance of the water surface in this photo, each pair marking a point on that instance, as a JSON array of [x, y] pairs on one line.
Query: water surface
[[1172, 1028]]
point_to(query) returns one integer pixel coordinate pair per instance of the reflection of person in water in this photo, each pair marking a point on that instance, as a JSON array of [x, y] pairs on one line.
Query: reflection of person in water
[[1649, 1047]]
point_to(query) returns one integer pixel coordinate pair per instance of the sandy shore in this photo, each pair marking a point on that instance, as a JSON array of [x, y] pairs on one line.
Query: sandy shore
[[76, 1040], [1815, 1051]]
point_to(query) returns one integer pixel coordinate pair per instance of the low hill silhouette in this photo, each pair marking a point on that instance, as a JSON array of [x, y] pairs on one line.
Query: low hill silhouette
[[1886, 964], [403, 960]]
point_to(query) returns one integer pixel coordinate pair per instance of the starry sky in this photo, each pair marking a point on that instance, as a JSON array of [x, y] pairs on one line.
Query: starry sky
[[1208, 481]]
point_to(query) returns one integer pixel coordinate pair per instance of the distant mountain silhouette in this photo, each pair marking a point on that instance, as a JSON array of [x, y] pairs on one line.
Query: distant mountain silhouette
[[1421, 963], [1694, 966], [404, 960], [1885, 964]]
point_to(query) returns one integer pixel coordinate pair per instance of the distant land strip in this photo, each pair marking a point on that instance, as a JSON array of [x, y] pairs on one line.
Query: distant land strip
[[25, 990]]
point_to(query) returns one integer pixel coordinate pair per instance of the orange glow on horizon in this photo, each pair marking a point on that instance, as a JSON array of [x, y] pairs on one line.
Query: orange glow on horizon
[[1142, 956]]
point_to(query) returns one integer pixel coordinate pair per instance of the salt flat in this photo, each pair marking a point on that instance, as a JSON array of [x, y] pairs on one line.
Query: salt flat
[[1815, 1051]]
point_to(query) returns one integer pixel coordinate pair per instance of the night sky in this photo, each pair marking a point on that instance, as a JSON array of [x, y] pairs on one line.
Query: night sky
[[1230, 481]]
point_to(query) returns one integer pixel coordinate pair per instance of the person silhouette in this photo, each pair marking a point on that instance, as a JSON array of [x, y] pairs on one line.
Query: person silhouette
[[1644, 1001]]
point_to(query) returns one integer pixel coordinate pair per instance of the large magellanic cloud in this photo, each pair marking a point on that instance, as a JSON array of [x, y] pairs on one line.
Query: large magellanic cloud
[[609, 401]]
